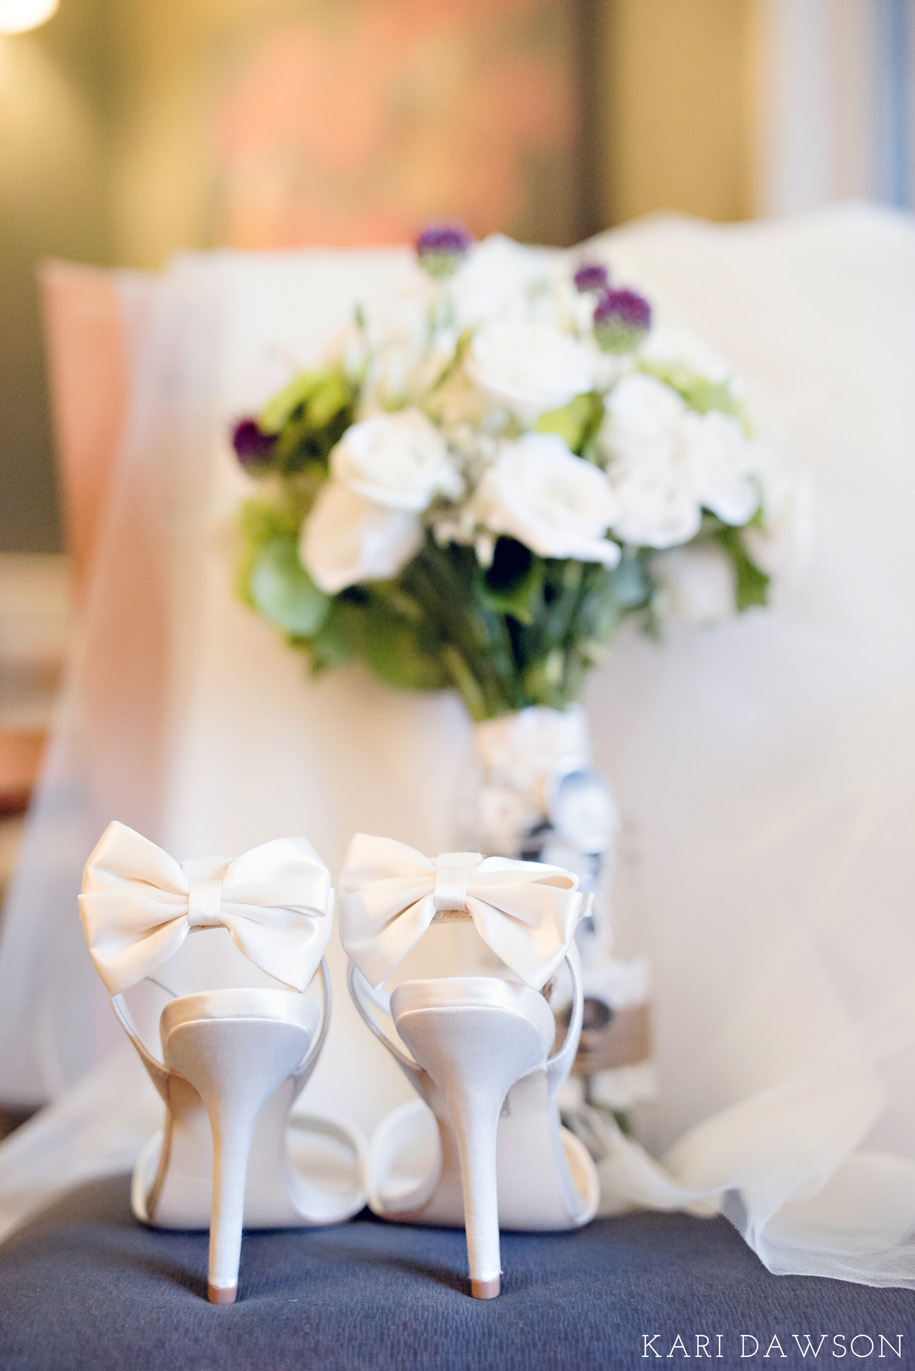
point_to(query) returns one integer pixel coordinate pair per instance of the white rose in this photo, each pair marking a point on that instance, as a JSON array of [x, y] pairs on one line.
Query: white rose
[[657, 507], [348, 539], [722, 464], [642, 440], [555, 503], [399, 460], [697, 583], [669, 462], [529, 368], [644, 419]]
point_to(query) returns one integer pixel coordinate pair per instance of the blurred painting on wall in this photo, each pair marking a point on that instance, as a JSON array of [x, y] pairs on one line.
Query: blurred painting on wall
[[354, 123]]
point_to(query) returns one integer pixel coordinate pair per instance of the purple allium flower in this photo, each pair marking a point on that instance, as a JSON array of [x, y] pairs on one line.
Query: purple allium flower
[[591, 276], [253, 448], [621, 320], [442, 247]]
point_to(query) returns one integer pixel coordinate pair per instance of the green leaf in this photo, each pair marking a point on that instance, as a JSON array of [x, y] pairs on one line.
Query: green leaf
[[263, 521], [705, 395], [402, 653], [300, 445], [699, 393], [297, 446], [278, 411], [284, 593], [599, 616], [340, 638], [327, 399], [751, 582], [630, 584], [573, 423], [758, 521]]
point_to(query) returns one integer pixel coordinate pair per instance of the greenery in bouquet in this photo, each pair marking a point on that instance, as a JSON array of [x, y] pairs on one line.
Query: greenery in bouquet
[[492, 468]]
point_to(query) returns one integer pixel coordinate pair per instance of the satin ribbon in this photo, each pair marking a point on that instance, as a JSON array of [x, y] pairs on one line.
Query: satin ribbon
[[526, 912], [138, 905]]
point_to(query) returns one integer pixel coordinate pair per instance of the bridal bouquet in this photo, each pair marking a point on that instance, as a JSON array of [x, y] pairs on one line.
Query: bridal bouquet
[[491, 470]]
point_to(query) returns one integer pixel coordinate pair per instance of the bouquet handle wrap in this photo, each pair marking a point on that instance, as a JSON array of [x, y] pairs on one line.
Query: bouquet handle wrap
[[531, 790]]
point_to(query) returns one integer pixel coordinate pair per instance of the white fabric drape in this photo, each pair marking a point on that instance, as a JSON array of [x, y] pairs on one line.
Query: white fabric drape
[[765, 768]]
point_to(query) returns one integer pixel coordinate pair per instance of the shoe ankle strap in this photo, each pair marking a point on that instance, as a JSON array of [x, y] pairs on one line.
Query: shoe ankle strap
[[560, 1064]]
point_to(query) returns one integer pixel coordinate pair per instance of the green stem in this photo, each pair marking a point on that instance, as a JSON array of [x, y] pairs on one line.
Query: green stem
[[481, 635], [465, 682], [458, 632]]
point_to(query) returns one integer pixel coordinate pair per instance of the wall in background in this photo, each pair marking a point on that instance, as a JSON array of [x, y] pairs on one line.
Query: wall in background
[[679, 107], [53, 96]]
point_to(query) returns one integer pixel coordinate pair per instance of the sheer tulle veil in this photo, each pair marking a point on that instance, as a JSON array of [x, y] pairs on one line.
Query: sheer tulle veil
[[766, 766]]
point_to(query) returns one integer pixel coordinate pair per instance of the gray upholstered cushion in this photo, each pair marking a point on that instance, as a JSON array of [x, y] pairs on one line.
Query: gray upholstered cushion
[[85, 1286]]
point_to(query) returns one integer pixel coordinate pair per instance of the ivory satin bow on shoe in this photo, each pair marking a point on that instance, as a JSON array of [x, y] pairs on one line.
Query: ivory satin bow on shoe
[[138, 905], [526, 912]]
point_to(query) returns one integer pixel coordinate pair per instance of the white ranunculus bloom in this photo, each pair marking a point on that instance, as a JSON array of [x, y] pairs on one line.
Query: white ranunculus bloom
[[399, 460], [555, 503], [348, 539], [722, 464], [696, 583], [529, 368]]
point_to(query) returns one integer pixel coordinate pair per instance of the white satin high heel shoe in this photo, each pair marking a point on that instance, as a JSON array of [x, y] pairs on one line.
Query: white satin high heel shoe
[[233, 1060], [480, 1047]]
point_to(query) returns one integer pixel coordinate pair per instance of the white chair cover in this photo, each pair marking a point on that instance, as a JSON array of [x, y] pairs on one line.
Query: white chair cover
[[767, 766]]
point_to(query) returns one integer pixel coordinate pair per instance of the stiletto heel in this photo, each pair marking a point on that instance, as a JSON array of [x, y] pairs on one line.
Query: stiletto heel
[[478, 1046], [234, 1060], [455, 1044], [235, 1066]]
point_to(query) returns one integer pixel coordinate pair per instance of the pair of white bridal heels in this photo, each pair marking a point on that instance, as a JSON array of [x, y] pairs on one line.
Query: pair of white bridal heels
[[478, 1048]]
